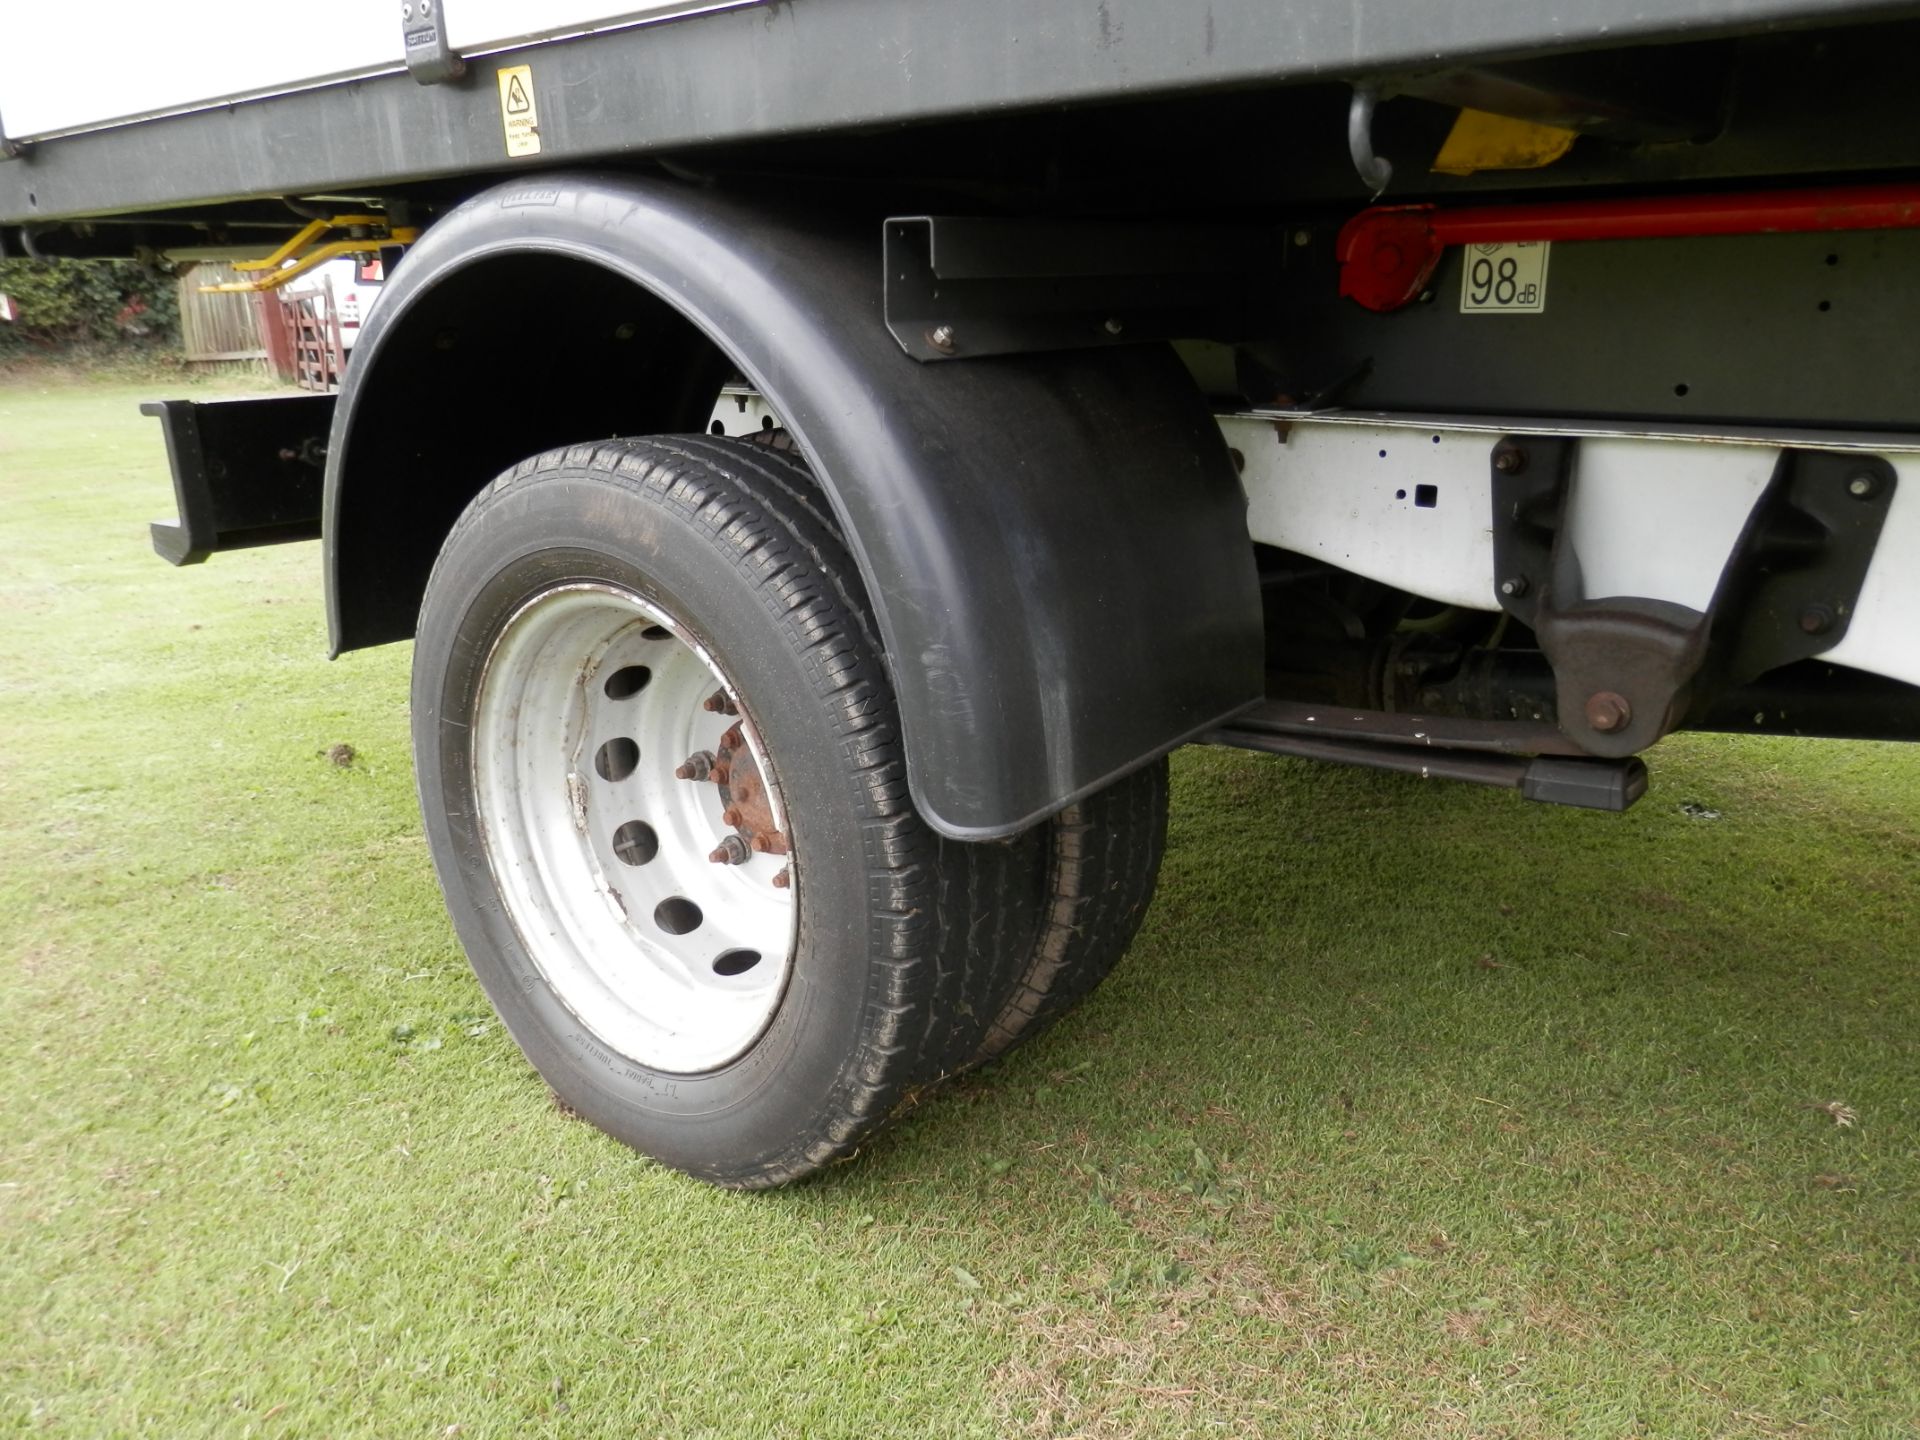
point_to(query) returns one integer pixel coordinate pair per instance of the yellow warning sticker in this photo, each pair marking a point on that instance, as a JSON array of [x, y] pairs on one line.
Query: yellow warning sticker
[[517, 113]]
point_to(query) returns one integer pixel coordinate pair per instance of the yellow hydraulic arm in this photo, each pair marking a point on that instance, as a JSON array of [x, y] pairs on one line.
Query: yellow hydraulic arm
[[301, 253]]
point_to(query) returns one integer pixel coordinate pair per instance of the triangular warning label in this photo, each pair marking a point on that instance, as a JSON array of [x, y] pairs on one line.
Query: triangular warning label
[[519, 110]]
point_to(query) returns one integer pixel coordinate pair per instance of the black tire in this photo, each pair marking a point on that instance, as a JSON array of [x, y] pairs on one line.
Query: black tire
[[914, 957], [992, 903], [1100, 860], [1103, 860]]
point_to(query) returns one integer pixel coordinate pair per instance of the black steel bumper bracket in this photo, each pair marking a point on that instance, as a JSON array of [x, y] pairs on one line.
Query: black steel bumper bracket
[[245, 473]]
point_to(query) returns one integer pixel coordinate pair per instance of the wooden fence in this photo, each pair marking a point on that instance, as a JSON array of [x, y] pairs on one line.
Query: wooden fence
[[221, 328]]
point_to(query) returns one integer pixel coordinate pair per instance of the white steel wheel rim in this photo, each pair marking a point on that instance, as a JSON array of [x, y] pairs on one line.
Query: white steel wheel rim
[[589, 701]]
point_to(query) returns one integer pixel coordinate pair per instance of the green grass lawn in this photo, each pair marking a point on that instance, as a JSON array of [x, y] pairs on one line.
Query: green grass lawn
[[1417, 1110]]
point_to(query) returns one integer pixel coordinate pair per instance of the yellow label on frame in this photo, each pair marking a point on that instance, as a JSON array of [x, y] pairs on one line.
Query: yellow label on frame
[[518, 115]]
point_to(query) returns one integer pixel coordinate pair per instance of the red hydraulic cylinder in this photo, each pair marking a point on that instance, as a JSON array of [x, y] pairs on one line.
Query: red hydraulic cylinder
[[1388, 254]]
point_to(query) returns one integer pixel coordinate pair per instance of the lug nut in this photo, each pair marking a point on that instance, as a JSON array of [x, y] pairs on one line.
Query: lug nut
[[719, 703], [731, 851], [697, 766], [1608, 711], [783, 879]]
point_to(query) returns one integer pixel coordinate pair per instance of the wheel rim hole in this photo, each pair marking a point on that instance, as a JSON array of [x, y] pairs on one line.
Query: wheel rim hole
[[736, 962], [677, 915], [634, 843], [654, 632], [629, 680], [616, 759]]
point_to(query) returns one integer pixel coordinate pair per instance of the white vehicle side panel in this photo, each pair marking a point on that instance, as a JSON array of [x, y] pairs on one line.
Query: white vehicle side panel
[[64, 70]]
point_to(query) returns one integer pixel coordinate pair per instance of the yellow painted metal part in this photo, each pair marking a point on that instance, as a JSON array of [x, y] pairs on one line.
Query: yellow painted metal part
[[274, 270], [1480, 141]]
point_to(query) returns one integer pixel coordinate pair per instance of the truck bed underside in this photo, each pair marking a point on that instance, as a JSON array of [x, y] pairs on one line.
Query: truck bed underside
[[1236, 106]]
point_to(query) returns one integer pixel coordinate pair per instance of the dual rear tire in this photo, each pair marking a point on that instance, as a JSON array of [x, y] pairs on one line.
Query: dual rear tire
[[660, 767]]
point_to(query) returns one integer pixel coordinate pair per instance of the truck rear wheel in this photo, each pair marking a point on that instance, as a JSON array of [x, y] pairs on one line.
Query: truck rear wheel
[[661, 776], [644, 698]]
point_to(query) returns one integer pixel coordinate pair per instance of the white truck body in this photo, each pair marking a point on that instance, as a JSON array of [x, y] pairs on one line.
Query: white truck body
[[166, 60]]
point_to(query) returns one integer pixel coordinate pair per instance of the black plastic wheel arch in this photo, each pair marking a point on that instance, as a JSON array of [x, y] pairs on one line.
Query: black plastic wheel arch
[[1055, 545]]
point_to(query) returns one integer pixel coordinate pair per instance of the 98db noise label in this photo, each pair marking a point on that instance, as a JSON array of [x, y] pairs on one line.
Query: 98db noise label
[[1508, 278]]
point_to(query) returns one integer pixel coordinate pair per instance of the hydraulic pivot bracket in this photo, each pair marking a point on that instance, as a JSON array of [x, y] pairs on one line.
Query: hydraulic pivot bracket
[[1629, 668]]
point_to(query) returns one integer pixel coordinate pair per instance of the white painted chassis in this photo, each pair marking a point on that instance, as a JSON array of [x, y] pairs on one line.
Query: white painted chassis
[[1654, 512]]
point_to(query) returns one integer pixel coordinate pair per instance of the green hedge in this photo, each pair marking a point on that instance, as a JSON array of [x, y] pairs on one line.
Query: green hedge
[[66, 303]]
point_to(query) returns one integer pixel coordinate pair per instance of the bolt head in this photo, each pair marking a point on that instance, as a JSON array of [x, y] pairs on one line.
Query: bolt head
[[1303, 237], [1113, 327], [730, 815], [941, 337], [1509, 462], [1861, 487], [1816, 620], [1608, 711], [1514, 587], [625, 330], [783, 879]]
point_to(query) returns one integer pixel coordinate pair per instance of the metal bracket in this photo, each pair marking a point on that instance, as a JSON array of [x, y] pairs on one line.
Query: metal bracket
[[12, 149], [423, 30], [245, 473], [1628, 669], [958, 287]]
